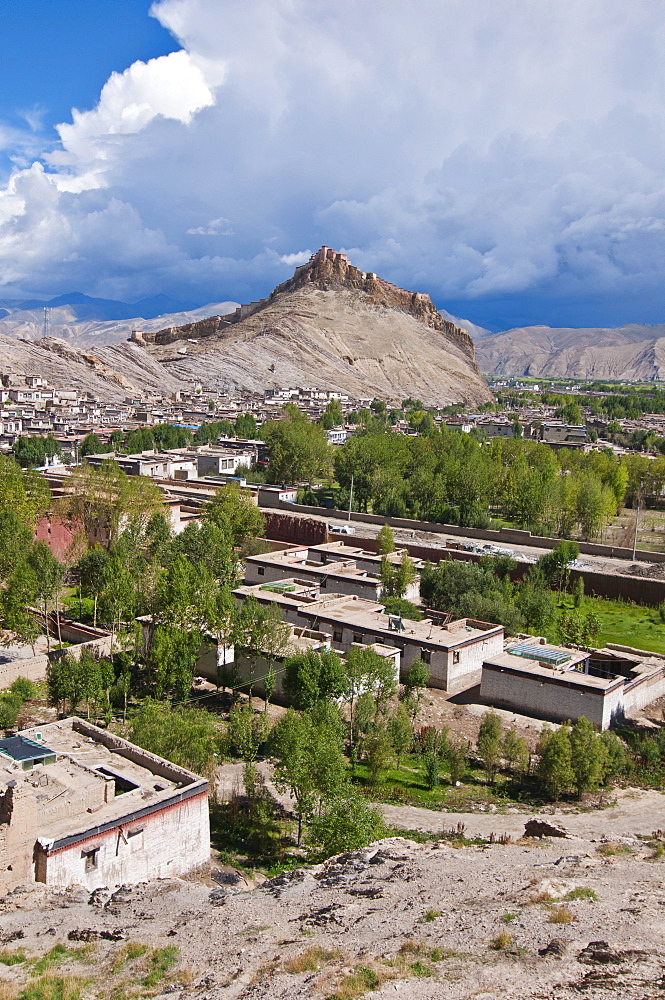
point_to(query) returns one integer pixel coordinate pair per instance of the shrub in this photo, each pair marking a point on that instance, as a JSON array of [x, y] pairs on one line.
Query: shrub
[[582, 892], [24, 688], [10, 707], [561, 915], [502, 941]]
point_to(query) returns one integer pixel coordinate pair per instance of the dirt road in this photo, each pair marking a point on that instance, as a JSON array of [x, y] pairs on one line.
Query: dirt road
[[636, 812]]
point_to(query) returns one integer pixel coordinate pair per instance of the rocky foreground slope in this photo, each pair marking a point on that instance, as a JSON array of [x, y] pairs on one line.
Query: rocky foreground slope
[[543, 919], [110, 373], [335, 327], [632, 353]]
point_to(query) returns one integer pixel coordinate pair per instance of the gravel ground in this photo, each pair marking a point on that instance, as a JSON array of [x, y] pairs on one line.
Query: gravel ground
[[427, 922]]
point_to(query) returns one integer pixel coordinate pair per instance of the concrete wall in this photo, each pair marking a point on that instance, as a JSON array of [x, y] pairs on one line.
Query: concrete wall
[[164, 844], [642, 691], [468, 668], [295, 528], [554, 699], [513, 536]]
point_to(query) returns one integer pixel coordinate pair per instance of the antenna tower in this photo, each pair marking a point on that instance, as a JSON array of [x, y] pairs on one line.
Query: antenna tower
[[47, 322]]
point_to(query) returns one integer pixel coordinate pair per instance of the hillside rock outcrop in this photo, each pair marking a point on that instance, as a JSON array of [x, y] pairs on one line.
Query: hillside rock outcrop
[[332, 326]]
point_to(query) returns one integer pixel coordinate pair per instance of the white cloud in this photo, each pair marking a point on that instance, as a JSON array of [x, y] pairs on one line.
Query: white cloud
[[295, 259], [216, 227], [463, 147]]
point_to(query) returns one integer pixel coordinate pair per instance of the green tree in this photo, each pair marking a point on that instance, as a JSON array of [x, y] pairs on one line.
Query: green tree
[[397, 579], [416, 680], [188, 737], [15, 539], [379, 752], [48, 575], [260, 633], [245, 427], [457, 754], [15, 602], [555, 769], [515, 752], [233, 510], [578, 592], [555, 565], [348, 823], [489, 744], [367, 672], [23, 491], [299, 451], [313, 676], [400, 732], [92, 444], [386, 540], [291, 745], [91, 567], [588, 756], [101, 500], [248, 731]]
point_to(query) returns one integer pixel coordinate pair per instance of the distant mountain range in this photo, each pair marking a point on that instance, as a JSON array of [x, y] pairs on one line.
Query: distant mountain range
[[634, 353], [88, 322], [85, 307]]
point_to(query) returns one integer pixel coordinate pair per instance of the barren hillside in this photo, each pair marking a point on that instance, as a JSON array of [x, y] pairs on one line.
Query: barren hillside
[[335, 327], [635, 353], [533, 920], [111, 373]]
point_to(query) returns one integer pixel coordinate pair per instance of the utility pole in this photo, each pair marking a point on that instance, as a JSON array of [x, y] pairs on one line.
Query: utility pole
[[350, 497], [638, 501], [47, 322]]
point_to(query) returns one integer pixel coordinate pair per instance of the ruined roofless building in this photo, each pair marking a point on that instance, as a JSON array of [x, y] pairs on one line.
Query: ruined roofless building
[[81, 806]]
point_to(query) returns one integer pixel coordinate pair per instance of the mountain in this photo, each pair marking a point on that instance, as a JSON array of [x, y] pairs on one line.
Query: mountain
[[634, 353], [86, 307], [111, 373], [331, 326], [88, 323]]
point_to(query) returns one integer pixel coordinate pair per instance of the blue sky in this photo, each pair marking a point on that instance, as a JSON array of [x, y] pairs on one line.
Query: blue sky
[[504, 156], [58, 54]]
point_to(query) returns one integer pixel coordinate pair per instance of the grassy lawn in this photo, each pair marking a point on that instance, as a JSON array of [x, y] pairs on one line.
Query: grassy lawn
[[628, 624], [406, 784]]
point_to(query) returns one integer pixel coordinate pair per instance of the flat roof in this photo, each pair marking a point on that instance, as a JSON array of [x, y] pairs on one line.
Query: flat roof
[[86, 757], [367, 616]]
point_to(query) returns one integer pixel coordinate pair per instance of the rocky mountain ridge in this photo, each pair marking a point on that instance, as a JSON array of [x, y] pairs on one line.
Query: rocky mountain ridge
[[332, 326], [635, 352]]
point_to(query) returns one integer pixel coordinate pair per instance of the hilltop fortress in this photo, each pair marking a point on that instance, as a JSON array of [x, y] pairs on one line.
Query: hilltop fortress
[[328, 270]]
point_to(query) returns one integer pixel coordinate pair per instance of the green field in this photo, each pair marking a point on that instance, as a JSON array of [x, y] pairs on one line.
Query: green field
[[628, 624]]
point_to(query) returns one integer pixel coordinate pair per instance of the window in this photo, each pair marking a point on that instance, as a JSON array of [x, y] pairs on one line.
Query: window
[[262, 571], [90, 859], [337, 636], [426, 656], [456, 656], [357, 637]]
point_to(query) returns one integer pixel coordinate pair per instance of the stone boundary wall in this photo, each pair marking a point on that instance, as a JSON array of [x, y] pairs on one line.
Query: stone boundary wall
[[505, 535], [639, 589]]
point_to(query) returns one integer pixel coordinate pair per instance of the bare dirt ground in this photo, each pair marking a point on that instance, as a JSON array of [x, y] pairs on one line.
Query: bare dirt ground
[[528, 553], [425, 922]]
